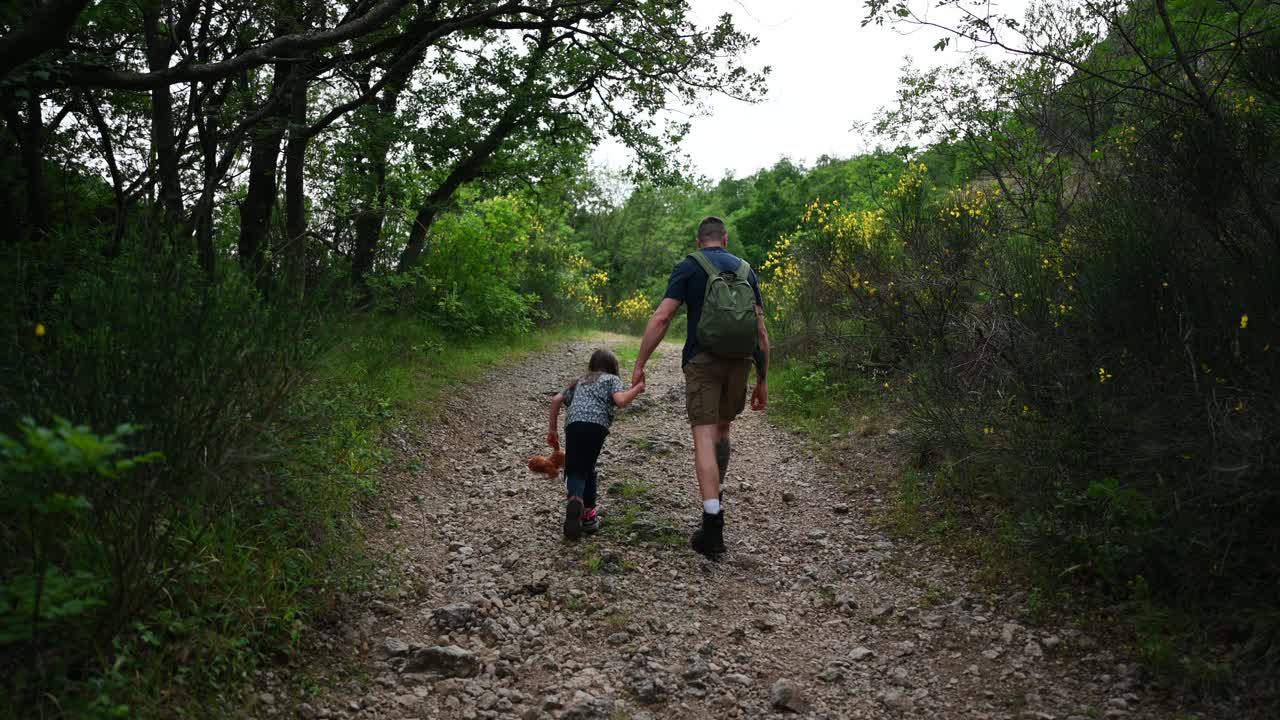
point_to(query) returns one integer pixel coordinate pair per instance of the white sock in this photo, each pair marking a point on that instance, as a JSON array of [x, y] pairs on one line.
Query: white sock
[[711, 507]]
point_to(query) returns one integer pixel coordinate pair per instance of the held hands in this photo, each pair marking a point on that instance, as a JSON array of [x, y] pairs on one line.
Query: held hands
[[553, 439], [760, 396], [638, 387], [637, 376]]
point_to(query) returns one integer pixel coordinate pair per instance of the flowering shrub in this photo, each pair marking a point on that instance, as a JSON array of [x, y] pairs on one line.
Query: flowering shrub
[[634, 309]]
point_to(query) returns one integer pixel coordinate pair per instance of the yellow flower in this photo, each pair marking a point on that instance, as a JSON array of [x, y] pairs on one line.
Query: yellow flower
[[39, 329], [1103, 375], [988, 430], [1244, 321]]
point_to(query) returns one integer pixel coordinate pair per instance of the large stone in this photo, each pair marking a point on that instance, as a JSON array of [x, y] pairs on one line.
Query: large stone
[[846, 603], [446, 661], [786, 695], [832, 674], [769, 622], [896, 699], [454, 617], [492, 632], [587, 707], [644, 527], [697, 669], [861, 653], [648, 691], [394, 647]]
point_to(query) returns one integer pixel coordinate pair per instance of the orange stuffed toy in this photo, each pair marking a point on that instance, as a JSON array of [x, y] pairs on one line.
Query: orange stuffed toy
[[549, 466]]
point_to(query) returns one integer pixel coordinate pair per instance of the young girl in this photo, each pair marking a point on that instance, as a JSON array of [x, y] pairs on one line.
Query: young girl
[[591, 400]]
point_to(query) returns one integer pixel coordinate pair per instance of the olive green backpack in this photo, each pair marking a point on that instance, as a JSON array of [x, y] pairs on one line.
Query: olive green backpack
[[727, 327]]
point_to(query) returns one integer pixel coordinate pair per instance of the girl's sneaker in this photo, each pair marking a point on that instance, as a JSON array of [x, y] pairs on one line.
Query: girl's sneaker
[[573, 518], [591, 520]]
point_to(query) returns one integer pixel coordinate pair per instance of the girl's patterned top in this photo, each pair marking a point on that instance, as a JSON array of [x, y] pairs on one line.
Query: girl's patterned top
[[592, 401]]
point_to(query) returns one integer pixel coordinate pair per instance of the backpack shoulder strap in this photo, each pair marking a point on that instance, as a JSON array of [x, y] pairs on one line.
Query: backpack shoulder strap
[[707, 267], [744, 271]]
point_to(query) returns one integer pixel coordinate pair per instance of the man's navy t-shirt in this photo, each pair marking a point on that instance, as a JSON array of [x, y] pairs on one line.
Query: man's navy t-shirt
[[688, 284]]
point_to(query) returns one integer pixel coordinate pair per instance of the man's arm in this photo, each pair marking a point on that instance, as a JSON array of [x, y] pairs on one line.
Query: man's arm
[[654, 331], [760, 396]]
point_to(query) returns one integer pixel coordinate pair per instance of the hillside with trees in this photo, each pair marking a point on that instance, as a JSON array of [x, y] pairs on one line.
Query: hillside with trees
[[250, 245]]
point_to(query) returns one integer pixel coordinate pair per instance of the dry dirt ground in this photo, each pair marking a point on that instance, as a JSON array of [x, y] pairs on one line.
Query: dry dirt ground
[[813, 612]]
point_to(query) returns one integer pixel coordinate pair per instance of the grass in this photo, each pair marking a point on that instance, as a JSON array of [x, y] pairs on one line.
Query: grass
[[270, 570], [408, 363], [592, 559], [818, 402], [632, 488], [925, 506], [629, 350]]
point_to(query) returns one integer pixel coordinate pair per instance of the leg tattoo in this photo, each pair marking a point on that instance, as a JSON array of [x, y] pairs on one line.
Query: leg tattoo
[[722, 457]]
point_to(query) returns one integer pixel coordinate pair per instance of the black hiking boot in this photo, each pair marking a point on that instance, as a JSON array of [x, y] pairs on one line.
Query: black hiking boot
[[573, 518], [709, 540]]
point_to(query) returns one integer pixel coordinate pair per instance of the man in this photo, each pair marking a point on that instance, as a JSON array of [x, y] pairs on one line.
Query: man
[[715, 386]]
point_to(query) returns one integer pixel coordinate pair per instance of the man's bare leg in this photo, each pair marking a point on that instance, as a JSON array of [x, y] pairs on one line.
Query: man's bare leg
[[705, 441], [722, 451], [709, 540]]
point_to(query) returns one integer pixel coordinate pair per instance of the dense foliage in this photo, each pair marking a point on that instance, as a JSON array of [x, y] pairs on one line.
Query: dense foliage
[[1070, 292], [246, 236], [637, 237], [1083, 329], [238, 232]]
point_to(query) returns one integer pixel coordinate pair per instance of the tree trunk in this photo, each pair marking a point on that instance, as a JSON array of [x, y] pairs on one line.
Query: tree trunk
[[27, 134], [369, 219], [255, 210], [294, 196], [368, 228], [115, 247], [207, 135], [466, 170], [9, 149], [472, 163], [164, 143], [45, 28], [33, 167]]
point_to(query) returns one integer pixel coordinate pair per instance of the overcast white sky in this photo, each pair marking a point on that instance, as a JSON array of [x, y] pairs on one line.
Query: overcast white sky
[[828, 73]]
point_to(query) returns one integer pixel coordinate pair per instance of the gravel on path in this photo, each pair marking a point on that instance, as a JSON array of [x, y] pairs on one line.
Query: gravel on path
[[813, 613]]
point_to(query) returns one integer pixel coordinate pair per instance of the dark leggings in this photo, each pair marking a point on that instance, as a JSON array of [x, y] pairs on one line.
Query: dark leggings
[[582, 444]]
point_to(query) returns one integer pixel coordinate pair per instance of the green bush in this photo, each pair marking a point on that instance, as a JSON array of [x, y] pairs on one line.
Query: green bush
[[497, 265], [1087, 358], [58, 583], [201, 367]]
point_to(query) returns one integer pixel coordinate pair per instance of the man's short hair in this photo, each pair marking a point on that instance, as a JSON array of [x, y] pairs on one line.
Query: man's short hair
[[712, 228]]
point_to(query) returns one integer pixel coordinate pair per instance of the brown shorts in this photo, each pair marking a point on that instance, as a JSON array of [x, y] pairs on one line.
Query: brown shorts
[[715, 388]]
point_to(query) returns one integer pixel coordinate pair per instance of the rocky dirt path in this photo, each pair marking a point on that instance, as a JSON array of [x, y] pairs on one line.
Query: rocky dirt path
[[812, 612]]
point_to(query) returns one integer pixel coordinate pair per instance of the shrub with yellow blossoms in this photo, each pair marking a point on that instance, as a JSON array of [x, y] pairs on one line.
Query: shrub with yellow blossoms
[[634, 309], [780, 281], [585, 284]]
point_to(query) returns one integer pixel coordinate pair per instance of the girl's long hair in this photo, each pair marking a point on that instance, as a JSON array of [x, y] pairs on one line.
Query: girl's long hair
[[602, 362]]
